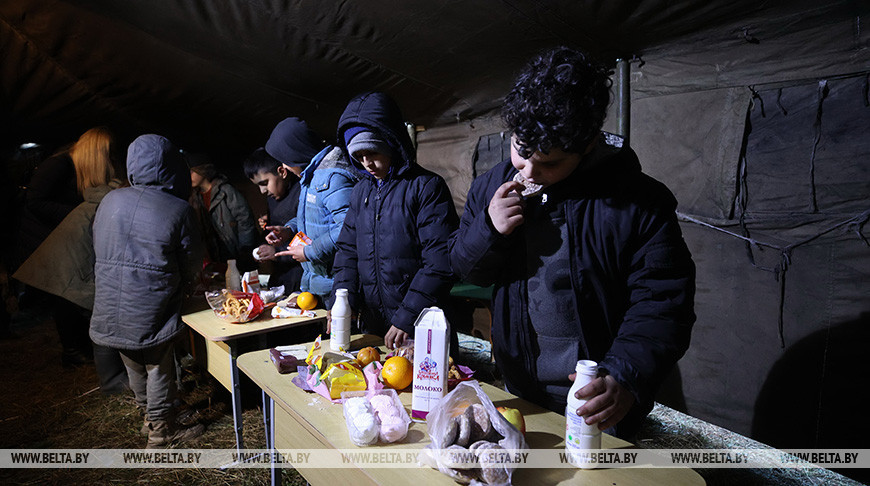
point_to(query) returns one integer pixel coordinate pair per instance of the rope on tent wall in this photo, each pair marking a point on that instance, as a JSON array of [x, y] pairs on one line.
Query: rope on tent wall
[[855, 223], [756, 96], [817, 126]]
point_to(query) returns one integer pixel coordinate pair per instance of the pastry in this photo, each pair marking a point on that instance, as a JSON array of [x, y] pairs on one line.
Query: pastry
[[481, 427], [531, 189], [466, 418]]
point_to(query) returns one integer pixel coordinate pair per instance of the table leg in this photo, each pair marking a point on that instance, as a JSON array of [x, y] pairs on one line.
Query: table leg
[[236, 392], [270, 431], [267, 419]]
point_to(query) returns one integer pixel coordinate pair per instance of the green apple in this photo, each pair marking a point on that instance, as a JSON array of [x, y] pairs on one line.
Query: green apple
[[515, 417]]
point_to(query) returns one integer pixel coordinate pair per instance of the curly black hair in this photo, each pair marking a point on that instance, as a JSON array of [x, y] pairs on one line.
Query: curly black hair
[[558, 101]]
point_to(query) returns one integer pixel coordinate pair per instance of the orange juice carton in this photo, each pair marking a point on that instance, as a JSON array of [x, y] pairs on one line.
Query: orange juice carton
[[431, 348]]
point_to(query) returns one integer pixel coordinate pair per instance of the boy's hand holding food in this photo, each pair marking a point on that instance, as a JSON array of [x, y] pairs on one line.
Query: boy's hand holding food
[[277, 234], [506, 207]]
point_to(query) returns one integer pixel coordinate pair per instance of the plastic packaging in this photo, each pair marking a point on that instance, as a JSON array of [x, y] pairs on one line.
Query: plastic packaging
[[580, 437], [390, 416], [339, 334], [251, 282], [431, 348], [235, 307], [233, 278]]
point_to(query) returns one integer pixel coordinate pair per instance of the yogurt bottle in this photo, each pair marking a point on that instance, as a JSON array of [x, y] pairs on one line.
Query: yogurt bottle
[[581, 439], [339, 334]]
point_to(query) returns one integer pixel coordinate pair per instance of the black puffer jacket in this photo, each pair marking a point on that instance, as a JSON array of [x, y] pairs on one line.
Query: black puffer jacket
[[632, 278], [145, 241], [392, 252]]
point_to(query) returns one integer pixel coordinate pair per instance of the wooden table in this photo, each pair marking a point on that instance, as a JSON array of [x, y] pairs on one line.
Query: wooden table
[[221, 348], [303, 420]]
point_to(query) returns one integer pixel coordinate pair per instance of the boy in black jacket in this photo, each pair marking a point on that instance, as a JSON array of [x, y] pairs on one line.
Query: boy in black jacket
[[584, 250], [392, 252]]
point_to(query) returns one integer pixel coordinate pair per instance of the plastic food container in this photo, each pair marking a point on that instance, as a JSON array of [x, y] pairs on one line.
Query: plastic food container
[[374, 415]]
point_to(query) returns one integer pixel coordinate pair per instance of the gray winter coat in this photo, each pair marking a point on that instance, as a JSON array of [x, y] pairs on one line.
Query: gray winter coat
[[145, 242]]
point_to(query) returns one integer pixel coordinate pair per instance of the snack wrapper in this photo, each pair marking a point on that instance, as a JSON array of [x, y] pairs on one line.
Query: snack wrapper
[[279, 311], [234, 306], [300, 239], [287, 358], [251, 282]]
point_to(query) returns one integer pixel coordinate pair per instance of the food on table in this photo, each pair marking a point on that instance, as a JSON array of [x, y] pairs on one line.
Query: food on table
[[362, 425], [453, 371], [235, 308], [481, 427], [463, 437], [306, 301], [397, 372], [368, 355], [493, 469], [394, 422], [515, 417], [471, 431]]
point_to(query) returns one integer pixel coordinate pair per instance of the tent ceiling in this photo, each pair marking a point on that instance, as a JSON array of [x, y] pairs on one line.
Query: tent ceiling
[[219, 74]]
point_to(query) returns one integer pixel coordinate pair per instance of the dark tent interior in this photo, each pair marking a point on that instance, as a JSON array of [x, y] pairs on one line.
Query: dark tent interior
[[754, 113]]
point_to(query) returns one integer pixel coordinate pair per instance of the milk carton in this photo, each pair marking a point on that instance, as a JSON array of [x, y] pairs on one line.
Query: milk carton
[[431, 347]]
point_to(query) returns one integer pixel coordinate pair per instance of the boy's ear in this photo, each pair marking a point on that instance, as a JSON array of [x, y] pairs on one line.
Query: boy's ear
[[282, 171]]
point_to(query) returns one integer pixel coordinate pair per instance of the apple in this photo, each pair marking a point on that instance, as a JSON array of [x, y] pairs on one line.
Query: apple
[[515, 417]]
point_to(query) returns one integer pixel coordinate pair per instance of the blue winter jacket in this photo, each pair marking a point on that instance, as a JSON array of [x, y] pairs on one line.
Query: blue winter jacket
[[392, 253], [145, 244], [632, 278], [326, 185]]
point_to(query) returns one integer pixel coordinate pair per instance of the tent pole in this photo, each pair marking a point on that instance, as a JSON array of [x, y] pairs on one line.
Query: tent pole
[[623, 99]]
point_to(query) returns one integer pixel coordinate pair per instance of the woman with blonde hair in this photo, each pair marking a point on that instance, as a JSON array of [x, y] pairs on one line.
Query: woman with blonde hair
[[61, 200], [92, 158]]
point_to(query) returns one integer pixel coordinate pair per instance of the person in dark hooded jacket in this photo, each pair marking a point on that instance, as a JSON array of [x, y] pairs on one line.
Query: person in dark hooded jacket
[[145, 244], [392, 252], [586, 255]]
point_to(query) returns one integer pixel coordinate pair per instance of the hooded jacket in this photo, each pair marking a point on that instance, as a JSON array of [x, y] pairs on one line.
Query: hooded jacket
[[631, 275], [145, 242], [392, 252], [325, 187]]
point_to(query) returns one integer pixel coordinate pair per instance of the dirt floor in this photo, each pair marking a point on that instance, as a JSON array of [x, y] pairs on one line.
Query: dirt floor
[[48, 406]]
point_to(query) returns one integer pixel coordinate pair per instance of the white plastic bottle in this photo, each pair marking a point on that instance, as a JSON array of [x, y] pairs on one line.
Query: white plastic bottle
[[233, 279], [339, 333], [580, 437]]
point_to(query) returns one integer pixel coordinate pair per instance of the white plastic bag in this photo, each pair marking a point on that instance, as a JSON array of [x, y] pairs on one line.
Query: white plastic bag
[[454, 404]]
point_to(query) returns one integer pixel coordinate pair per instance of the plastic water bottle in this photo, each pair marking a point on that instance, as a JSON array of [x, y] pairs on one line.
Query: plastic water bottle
[[339, 334], [579, 437]]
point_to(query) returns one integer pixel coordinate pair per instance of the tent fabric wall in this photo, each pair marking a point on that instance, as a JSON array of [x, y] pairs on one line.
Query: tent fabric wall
[[785, 164], [692, 141]]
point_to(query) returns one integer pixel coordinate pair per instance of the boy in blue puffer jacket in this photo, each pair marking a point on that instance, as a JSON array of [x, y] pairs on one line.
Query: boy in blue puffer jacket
[[326, 179], [392, 252]]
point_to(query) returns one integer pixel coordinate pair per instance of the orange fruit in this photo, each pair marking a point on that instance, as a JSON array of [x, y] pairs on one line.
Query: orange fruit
[[367, 355], [398, 372], [306, 301]]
